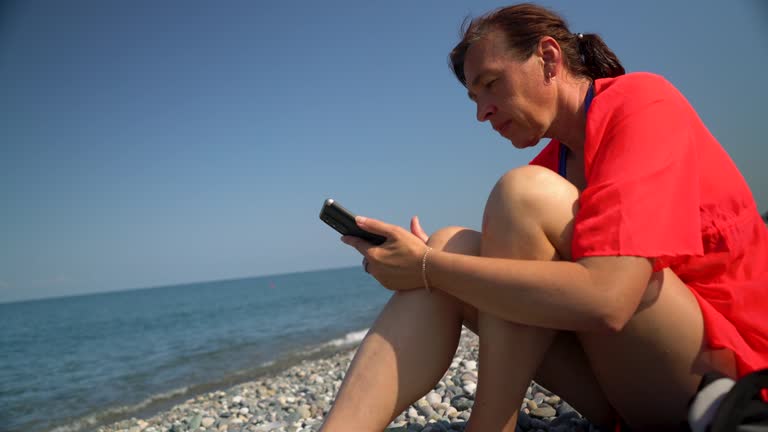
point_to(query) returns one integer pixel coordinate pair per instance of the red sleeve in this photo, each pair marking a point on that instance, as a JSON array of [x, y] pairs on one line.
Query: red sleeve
[[549, 156], [642, 194]]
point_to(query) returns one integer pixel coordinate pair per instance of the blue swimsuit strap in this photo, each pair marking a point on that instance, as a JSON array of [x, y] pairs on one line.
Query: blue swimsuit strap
[[563, 149]]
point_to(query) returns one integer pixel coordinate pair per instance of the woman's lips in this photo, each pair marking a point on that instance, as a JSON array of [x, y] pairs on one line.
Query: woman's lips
[[502, 127]]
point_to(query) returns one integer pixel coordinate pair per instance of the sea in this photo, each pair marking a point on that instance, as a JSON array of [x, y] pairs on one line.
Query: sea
[[72, 364]]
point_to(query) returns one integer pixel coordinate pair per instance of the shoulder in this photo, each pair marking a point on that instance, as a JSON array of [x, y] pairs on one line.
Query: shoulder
[[638, 114], [632, 84], [634, 91]]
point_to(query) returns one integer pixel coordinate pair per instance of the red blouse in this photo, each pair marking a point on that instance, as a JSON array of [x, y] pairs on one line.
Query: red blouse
[[659, 185]]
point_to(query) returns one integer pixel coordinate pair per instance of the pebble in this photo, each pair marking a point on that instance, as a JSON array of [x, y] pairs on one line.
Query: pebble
[[565, 419], [434, 398], [427, 411], [451, 412], [195, 422], [536, 424], [543, 411], [524, 421], [564, 408], [297, 400], [453, 390], [462, 402], [304, 411]]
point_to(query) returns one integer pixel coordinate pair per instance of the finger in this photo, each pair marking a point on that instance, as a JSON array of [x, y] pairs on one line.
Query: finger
[[376, 226], [417, 230], [361, 245]]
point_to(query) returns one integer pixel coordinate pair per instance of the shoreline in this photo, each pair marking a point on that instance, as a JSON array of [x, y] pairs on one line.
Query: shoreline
[[159, 403], [297, 398]]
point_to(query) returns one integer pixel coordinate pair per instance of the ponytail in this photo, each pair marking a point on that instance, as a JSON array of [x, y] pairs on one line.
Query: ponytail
[[597, 59]]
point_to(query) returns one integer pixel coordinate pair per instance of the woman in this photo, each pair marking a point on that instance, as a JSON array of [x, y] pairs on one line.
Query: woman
[[627, 260]]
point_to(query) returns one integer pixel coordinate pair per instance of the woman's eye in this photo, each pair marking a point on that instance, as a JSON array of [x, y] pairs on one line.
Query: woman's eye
[[490, 83]]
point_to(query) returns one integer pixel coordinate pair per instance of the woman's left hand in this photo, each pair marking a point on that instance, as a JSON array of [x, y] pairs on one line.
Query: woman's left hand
[[396, 263]]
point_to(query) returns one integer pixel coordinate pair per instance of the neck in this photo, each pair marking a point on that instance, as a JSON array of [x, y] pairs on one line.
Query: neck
[[570, 122]]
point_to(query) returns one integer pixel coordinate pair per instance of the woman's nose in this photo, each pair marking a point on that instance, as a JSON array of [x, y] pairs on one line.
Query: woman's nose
[[485, 111]]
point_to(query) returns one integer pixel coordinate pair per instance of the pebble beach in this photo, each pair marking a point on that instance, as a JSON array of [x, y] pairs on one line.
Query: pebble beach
[[298, 398]]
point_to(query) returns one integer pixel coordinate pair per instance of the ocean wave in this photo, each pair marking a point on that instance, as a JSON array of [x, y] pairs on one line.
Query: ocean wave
[[349, 339], [119, 412]]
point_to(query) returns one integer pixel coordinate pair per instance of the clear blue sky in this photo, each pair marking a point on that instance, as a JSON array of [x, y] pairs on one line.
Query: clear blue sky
[[149, 143]]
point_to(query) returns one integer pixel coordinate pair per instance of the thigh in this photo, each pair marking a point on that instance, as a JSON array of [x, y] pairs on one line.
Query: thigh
[[647, 370]]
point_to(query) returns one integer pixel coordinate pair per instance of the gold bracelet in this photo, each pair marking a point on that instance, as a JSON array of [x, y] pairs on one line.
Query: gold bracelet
[[424, 269]]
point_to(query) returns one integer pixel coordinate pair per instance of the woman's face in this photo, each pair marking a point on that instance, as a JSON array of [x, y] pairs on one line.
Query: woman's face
[[512, 95]]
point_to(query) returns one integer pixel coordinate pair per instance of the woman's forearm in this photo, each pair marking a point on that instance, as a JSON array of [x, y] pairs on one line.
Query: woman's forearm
[[554, 294]]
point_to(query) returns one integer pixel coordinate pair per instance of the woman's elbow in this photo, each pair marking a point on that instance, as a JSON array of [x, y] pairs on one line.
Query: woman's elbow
[[623, 304], [614, 322], [616, 314], [607, 323]]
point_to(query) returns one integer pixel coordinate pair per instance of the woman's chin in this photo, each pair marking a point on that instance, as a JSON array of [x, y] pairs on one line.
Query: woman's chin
[[522, 144]]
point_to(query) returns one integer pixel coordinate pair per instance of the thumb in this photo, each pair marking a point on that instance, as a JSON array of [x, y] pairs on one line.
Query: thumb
[[417, 230]]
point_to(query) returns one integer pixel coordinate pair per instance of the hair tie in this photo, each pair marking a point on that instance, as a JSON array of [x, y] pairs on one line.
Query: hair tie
[[580, 35]]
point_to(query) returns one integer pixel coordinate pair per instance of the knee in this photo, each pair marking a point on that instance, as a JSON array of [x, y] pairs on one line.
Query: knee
[[529, 215], [526, 188], [526, 192], [456, 239]]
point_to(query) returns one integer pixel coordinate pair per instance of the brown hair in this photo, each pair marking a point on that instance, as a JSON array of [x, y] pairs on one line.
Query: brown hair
[[524, 25]]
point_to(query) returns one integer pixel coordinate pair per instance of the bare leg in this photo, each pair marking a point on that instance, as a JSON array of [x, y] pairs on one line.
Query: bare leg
[[406, 352], [648, 370], [375, 389], [510, 353]]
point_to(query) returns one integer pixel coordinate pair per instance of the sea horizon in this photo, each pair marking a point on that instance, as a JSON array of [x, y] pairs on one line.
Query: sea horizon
[[169, 285]]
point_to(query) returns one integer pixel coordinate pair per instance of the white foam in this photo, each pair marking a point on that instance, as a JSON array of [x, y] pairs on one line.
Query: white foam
[[88, 422], [349, 339]]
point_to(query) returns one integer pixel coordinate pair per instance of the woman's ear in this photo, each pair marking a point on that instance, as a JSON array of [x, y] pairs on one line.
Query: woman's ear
[[550, 53]]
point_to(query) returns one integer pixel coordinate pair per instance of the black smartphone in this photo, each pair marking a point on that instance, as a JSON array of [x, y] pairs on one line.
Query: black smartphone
[[343, 221]]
